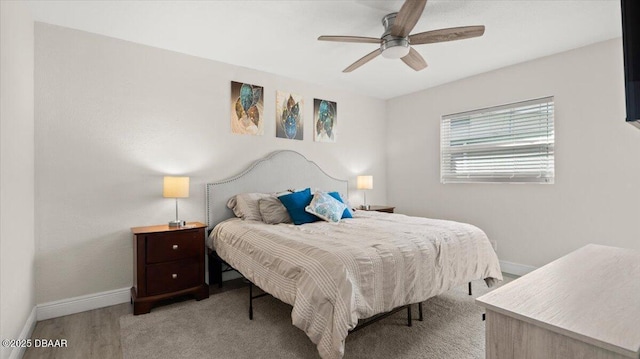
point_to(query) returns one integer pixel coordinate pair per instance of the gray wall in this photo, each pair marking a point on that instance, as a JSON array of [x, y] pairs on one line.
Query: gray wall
[[595, 198], [114, 117], [17, 244]]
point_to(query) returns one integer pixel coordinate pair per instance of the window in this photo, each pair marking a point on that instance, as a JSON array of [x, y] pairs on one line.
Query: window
[[509, 143]]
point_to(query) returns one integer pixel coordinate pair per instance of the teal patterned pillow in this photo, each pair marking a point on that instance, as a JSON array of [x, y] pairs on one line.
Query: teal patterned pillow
[[326, 207]]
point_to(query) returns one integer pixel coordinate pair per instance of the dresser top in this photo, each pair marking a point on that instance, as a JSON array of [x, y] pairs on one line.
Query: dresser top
[[591, 294], [165, 228]]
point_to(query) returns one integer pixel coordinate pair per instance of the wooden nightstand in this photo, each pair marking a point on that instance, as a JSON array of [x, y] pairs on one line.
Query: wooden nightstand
[[167, 262], [388, 209]]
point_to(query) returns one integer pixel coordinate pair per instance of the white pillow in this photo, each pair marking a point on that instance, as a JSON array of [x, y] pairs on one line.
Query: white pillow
[[326, 207]]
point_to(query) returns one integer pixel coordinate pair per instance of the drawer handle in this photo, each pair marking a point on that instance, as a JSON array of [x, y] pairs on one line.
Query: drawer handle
[[174, 276], [175, 247]]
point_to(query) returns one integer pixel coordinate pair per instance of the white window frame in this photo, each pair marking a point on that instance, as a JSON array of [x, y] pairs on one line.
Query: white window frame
[[512, 143]]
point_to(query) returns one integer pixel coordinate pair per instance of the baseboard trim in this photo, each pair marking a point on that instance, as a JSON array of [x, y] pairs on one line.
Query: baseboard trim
[[516, 268], [26, 332], [82, 303]]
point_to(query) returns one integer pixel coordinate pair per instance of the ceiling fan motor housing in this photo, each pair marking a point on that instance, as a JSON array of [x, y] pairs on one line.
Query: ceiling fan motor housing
[[392, 47]]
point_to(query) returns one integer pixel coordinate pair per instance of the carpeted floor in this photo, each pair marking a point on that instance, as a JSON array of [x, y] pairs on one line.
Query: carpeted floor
[[219, 327]]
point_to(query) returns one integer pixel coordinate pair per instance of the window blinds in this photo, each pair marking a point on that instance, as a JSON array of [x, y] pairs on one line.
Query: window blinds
[[509, 143]]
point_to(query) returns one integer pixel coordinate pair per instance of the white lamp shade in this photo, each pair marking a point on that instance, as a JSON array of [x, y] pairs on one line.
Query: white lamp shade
[[175, 187], [364, 182]]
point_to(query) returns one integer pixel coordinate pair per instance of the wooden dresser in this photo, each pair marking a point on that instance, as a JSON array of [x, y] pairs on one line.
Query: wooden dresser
[[584, 305], [167, 262]]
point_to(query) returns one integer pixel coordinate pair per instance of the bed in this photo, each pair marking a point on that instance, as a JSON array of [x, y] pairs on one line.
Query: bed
[[334, 274]]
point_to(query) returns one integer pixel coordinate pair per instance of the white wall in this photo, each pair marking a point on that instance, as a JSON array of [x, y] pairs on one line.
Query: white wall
[[595, 198], [17, 293], [113, 117]]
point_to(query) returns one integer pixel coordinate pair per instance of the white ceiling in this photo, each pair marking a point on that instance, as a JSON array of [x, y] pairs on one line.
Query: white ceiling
[[280, 37]]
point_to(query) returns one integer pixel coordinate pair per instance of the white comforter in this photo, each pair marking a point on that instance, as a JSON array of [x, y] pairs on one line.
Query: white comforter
[[335, 274]]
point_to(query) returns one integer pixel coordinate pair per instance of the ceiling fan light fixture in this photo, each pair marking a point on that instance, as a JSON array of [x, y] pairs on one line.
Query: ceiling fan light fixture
[[395, 48], [395, 52]]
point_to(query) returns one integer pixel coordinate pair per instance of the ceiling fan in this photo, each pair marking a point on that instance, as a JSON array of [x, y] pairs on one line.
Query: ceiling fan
[[396, 41]]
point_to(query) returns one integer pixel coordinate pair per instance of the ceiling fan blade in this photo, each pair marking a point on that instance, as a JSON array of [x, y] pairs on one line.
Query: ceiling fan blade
[[450, 34], [362, 39], [407, 17], [414, 60], [368, 57]]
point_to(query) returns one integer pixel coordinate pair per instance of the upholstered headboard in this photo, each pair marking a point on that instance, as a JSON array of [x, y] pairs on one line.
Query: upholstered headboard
[[278, 171]]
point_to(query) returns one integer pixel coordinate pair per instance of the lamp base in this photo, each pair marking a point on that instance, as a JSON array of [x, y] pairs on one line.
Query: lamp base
[[177, 223]]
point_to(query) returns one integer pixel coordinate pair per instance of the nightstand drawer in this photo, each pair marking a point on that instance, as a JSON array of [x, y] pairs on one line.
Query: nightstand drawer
[[174, 276], [171, 246]]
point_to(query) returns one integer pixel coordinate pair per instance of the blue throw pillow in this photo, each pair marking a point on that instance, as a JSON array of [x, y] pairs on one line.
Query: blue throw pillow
[[295, 204], [347, 211]]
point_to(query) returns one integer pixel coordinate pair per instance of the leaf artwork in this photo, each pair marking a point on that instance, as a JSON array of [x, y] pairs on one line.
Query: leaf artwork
[[289, 122], [247, 103], [325, 116]]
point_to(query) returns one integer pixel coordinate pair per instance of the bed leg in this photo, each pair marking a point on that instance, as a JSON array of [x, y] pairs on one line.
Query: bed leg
[[250, 300], [469, 288], [420, 317], [215, 269], [409, 315]]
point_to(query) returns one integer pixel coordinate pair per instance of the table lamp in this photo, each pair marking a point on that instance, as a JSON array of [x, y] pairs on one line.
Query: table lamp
[[176, 187], [364, 183]]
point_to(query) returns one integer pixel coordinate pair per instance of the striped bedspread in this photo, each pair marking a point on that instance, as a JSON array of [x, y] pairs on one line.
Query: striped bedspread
[[335, 274]]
